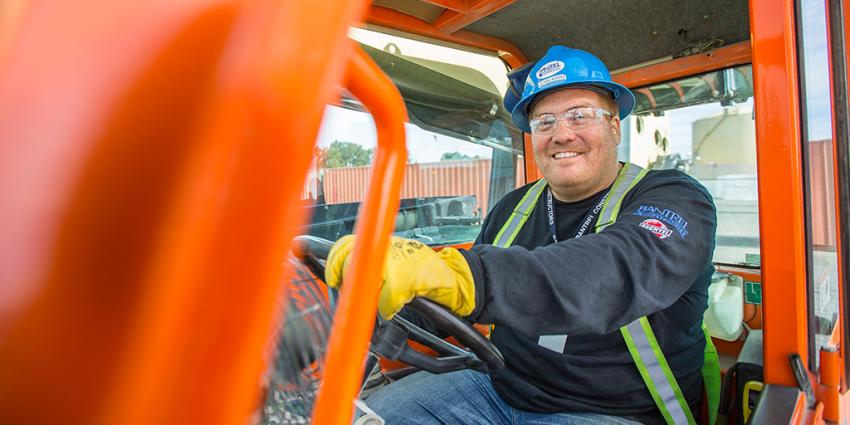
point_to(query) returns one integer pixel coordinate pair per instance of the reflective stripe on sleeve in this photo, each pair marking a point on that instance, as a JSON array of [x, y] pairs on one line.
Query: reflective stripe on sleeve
[[655, 372]]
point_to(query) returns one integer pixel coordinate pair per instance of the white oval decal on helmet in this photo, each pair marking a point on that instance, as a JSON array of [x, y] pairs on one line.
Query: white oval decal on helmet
[[549, 69]]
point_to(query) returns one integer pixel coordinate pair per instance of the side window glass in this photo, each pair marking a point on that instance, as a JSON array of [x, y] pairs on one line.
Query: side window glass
[[819, 174], [703, 126], [464, 154]]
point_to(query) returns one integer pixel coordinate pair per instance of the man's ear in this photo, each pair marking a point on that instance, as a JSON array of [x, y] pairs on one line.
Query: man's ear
[[615, 129]]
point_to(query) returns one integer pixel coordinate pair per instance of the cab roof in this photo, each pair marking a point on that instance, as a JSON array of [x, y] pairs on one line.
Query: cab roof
[[621, 33]]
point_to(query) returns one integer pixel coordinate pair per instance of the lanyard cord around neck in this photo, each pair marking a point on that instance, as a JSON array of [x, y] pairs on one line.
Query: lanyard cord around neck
[[550, 215]]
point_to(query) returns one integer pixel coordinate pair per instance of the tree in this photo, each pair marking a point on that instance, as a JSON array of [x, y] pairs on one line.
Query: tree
[[345, 154], [455, 156]]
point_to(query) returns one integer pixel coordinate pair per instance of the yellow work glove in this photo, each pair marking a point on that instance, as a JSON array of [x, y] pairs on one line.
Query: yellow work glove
[[412, 269]]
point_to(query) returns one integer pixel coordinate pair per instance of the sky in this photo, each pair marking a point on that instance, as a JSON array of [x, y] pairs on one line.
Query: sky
[[346, 125], [816, 69]]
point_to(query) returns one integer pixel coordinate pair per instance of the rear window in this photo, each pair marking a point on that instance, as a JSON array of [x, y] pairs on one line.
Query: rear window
[[704, 125]]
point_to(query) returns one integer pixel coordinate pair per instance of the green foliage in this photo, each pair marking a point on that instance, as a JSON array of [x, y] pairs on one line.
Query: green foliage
[[345, 154], [455, 156]]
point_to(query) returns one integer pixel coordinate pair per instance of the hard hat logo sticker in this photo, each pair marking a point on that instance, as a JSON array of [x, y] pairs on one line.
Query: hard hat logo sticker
[[656, 227], [549, 69]]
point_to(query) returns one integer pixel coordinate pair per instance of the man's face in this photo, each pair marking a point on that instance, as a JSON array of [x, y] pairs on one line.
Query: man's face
[[577, 163]]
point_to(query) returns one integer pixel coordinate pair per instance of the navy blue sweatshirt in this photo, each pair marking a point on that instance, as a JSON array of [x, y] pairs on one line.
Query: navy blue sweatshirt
[[654, 261]]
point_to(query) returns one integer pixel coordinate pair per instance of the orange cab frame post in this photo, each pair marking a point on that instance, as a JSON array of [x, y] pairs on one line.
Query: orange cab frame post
[[355, 315], [780, 182]]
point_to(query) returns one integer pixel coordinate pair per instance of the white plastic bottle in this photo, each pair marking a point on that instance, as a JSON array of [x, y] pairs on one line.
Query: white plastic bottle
[[725, 314]]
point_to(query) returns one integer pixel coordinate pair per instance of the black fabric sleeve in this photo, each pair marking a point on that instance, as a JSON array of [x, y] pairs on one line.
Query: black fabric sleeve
[[600, 282]]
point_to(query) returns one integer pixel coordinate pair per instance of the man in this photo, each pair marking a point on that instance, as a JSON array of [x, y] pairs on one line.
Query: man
[[587, 275]]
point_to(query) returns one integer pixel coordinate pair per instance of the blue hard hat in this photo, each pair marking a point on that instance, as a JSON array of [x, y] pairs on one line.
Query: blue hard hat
[[561, 67]]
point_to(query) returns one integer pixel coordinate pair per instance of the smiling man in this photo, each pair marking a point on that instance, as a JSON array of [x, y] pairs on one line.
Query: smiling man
[[595, 276], [579, 158]]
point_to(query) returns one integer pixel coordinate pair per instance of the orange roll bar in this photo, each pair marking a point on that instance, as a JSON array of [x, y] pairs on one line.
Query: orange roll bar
[[355, 315], [152, 156]]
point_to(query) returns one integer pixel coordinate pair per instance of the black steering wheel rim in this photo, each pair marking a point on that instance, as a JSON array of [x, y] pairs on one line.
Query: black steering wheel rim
[[390, 338]]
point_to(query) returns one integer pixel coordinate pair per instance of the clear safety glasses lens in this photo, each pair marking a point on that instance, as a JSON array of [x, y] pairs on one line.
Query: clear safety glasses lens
[[575, 119]]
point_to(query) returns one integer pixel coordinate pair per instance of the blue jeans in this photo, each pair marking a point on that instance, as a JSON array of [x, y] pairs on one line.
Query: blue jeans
[[464, 397]]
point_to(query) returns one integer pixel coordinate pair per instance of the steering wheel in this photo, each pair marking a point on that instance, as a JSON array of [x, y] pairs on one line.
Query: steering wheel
[[390, 337]]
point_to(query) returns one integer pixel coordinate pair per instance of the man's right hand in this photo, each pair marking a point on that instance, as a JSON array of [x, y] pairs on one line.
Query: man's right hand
[[412, 269]]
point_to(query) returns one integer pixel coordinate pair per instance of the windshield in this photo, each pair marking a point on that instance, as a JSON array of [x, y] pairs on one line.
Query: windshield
[[463, 152]]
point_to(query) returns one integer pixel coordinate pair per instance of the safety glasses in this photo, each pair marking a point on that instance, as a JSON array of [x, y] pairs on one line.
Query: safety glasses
[[575, 119]]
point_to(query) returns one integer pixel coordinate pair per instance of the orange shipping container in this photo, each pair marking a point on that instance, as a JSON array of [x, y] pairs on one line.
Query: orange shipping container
[[445, 178]]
